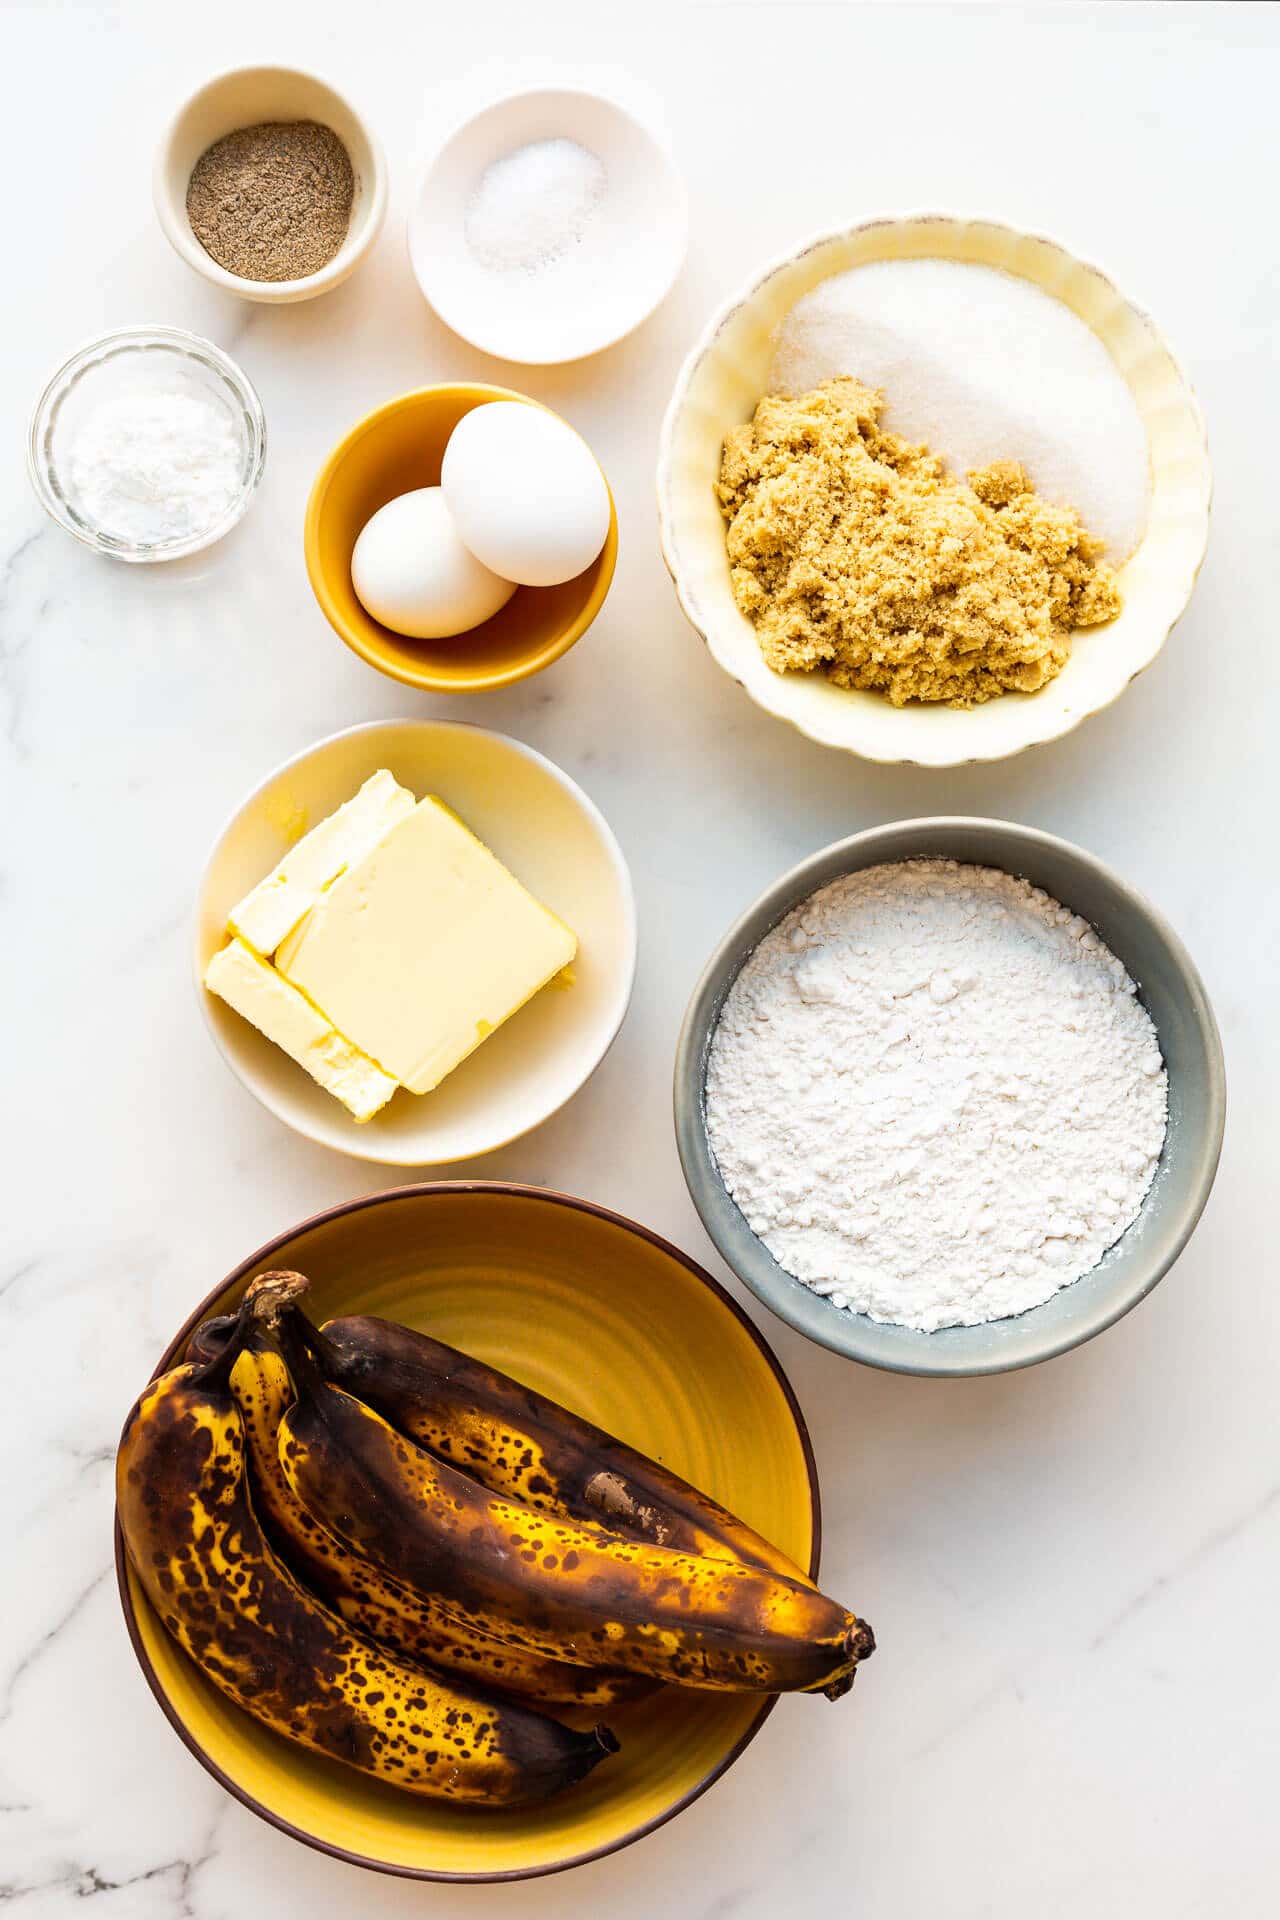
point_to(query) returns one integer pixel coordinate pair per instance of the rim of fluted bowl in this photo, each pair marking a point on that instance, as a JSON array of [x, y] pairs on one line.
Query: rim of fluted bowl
[[742, 298]]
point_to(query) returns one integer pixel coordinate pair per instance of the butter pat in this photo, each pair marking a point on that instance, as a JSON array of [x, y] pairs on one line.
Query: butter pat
[[418, 953], [291, 889], [265, 998]]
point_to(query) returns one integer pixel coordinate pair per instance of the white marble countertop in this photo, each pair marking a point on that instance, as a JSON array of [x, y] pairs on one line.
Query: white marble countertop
[[1072, 1570]]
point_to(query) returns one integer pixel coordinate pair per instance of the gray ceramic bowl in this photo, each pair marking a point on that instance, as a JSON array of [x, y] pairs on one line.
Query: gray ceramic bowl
[[1172, 993]]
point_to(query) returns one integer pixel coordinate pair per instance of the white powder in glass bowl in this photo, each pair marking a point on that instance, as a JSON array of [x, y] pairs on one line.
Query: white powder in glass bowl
[[153, 465]]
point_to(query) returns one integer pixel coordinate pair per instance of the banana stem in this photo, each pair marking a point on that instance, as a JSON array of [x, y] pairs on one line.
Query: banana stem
[[290, 1330], [275, 1300], [271, 1293], [214, 1374], [318, 1343]]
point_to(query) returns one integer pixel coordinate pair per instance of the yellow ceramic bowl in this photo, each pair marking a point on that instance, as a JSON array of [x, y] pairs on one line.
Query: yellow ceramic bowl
[[615, 1323], [395, 448], [725, 376]]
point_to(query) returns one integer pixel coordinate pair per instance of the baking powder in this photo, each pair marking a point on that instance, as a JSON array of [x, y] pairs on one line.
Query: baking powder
[[155, 467], [934, 1094]]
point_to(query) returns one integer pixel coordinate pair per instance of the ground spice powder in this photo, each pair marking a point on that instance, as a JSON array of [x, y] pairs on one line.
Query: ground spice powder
[[272, 202], [852, 550]]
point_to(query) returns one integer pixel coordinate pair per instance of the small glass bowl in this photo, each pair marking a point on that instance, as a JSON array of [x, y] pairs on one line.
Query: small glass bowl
[[142, 359]]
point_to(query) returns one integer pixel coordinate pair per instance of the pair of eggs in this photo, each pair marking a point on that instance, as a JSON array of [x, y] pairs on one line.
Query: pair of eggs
[[521, 502]]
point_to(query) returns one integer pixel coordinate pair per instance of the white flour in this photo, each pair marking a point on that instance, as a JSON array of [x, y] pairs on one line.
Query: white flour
[[982, 366], [934, 1094]]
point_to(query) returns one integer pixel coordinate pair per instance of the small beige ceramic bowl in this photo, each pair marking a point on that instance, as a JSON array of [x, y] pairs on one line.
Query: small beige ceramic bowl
[[725, 376], [243, 98]]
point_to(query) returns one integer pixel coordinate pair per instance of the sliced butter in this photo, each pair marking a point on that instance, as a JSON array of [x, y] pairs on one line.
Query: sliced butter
[[265, 998], [291, 889], [424, 948]]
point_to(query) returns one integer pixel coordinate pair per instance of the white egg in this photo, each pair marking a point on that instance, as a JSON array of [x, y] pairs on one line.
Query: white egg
[[412, 572], [525, 493]]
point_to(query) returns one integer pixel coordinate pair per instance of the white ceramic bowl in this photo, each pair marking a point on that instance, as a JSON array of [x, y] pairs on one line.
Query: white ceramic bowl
[[592, 296], [245, 97], [552, 837], [725, 376]]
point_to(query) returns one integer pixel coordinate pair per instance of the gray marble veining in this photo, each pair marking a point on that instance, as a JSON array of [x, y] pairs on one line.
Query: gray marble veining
[[1072, 1572]]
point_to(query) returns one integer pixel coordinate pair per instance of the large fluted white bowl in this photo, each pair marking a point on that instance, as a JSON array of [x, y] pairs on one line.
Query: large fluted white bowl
[[725, 376]]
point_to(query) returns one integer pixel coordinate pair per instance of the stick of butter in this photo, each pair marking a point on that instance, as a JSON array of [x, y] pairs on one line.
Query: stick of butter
[[291, 889], [418, 952], [264, 997]]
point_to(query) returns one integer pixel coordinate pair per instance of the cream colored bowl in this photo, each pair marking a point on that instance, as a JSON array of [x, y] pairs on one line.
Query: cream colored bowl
[[723, 379], [551, 836], [243, 98]]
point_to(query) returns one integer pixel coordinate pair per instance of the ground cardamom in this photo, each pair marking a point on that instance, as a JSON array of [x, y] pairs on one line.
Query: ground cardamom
[[272, 202]]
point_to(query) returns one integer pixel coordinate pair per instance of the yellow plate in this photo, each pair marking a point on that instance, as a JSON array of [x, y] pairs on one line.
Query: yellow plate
[[395, 448], [725, 376], [615, 1323]]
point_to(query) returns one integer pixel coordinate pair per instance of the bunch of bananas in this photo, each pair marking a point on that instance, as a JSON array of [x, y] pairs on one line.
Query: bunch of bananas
[[397, 1557]]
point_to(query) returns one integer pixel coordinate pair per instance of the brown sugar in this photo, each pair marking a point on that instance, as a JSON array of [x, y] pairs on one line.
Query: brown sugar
[[853, 551]]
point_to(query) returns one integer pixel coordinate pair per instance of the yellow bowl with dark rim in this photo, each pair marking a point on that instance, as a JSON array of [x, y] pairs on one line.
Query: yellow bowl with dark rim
[[397, 447], [617, 1324]]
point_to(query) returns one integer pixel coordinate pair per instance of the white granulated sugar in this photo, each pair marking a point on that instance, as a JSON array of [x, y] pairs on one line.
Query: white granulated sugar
[[981, 366], [155, 467], [934, 1094], [534, 205]]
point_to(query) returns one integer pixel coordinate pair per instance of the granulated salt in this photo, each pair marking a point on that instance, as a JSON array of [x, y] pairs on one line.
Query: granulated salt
[[534, 205], [981, 366]]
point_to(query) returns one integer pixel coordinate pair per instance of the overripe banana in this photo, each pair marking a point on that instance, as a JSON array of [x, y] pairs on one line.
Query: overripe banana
[[220, 1590], [520, 1444], [558, 1587], [416, 1626]]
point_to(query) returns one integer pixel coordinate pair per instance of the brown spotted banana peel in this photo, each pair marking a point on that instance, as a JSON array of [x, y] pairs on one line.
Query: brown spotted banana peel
[[220, 1590], [419, 1628], [557, 1587], [519, 1444]]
